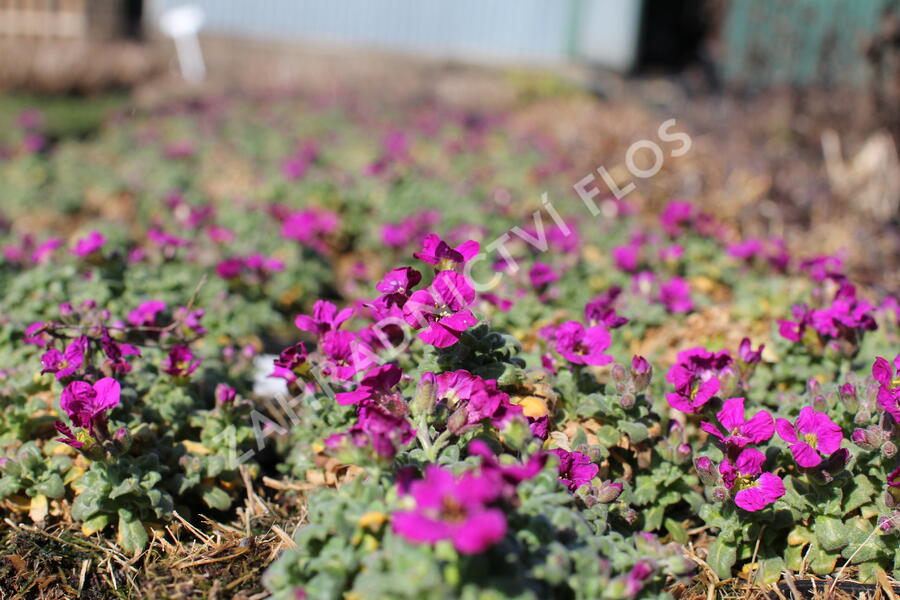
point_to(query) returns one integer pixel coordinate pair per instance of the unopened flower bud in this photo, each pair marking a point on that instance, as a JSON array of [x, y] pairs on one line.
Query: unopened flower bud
[[457, 421], [630, 515], [706, 470], [225, 394], [641, 373], [682, 453], [608, 491], [812, 386], [888, 524], [720, 494], [426, 396], [862, 439], [123, 439], [619, 373], [889, 449], [848, 395], [862, 417], [835, 463], [819, 403], [627, 401]]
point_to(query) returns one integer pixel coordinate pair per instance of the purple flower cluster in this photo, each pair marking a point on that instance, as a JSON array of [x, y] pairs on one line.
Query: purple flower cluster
[[468, 509], [697, 378], [839, 325], [382, 422]]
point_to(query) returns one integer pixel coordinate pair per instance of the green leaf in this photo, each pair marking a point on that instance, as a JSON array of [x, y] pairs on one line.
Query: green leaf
[[654, 517], [863, 493], [770, 570], [132, 535], [677, 531], [645, 489], [52, 487], [722, 556], [830, 533], [637, 432], [128, 486], [608, 435], [820, 561], [793, 557], [216, 498], [95, 523]]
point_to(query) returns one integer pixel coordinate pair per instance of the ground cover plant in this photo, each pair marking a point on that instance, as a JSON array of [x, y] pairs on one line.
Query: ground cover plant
[[466, 394]]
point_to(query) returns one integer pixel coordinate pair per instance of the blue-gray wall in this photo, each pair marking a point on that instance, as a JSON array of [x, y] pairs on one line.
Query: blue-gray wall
[[518, 30]]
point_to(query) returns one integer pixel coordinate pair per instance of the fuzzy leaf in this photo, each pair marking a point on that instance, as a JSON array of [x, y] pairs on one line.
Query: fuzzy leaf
[[830, 533], [215, 497], [132, 535], [95, 524], [863, 493], [722, 556]]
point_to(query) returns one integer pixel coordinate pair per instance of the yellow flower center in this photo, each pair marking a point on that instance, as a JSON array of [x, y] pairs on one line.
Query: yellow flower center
[[811, 439]]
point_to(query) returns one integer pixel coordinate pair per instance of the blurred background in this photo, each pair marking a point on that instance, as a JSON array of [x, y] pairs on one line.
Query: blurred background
[[793, 105]]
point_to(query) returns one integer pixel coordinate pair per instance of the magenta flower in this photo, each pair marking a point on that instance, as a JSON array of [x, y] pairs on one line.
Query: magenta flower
[[180, 361], [145, 313], [452, 508], [746, 353], [376, 383], [89, 244], [813, 434], [509, 476], [116, 352], [753, 490], [695, 376], [474, 399], [86, 406], [36, 334], [291, 363], [347, 354], [738, 431], [888, 378], [846, 319], [397, 285], [675, 216], [67, 363], [541, 275], [634, 581], [325, 318], [42, 253], [675, 294], [435, 251], [441, 310], [575, 469], [310, 227], [601, 310], [381, 426], [582, 346], [626, 257]]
